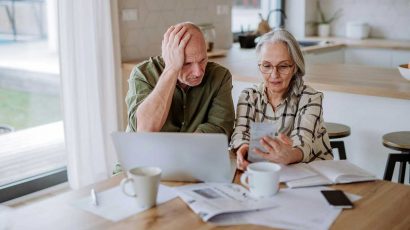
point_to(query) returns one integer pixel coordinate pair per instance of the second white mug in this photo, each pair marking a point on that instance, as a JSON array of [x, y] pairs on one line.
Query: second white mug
[[145, 183], [263, 179]]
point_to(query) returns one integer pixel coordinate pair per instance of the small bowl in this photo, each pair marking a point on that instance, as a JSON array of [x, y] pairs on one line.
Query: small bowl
[[404, 71], [247, 41]]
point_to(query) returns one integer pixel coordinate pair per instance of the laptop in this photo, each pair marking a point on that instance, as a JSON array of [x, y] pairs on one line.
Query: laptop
[[188, 157]]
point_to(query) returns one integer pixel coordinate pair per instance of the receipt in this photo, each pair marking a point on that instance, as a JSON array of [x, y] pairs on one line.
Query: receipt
[[259, 130]]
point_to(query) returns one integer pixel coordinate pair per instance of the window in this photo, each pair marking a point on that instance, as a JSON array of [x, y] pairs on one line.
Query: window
[[245, 14], [32, 152]]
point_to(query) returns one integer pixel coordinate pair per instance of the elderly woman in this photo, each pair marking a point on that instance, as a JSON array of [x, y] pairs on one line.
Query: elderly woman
[[282, 99]]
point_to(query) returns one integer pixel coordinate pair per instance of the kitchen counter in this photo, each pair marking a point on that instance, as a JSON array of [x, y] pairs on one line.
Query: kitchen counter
[[365, 43], [356, 79]]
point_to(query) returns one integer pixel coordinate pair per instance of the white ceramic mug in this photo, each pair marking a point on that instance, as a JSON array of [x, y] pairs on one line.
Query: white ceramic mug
[[145, 182], [263, 179]]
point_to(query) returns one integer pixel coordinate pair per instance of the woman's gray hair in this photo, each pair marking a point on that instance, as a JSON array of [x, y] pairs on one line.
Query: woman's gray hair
[[283, 36]]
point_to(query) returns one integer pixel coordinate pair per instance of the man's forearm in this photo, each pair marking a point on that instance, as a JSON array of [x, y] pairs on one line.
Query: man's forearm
[[153, 111]]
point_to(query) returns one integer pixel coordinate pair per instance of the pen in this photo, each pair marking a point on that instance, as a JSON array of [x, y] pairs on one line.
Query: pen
[[94, 198]]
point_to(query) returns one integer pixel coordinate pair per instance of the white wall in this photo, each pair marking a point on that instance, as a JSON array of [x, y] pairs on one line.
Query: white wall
[[369, 118], [142, 38], [388, 18], [295, 12]]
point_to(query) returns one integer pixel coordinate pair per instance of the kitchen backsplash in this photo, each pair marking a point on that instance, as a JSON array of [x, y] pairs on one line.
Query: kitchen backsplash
[[387, 18], [143, 23]]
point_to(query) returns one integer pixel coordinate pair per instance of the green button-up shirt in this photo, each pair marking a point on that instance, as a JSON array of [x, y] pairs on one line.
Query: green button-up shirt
[[206, 108]]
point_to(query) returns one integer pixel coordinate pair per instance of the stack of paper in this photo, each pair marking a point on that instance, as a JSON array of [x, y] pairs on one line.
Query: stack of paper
[[114, 205], [211, 199], [304, 208], [230, 204]]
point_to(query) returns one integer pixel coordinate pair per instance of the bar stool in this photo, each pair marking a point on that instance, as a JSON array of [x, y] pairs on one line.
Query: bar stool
[[398, 141], [336, 131]]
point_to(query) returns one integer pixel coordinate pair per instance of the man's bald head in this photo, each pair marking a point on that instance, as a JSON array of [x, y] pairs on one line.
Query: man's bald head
[[195, 56], [191, 27], [197, 40]]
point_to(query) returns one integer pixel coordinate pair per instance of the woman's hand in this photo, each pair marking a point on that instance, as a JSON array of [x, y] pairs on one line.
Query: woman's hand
[[173, 47], [279, 150], [241, 162]]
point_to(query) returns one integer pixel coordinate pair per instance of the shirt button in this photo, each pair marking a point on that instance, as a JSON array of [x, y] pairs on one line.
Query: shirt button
[[183, 123], [184, 106]]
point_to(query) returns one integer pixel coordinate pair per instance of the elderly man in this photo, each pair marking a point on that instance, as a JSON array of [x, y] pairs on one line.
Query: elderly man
[[181, 91]]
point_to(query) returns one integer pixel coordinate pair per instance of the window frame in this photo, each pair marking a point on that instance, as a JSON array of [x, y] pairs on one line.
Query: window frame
[[32, 184]]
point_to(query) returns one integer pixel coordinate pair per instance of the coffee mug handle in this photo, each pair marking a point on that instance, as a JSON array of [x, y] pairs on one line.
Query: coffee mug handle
[[123, 182], [243, 179]]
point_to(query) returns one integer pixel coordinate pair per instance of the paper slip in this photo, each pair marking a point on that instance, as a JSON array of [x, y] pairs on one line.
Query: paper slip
[[303, 208], [211, 199], [114, 205], [259, 130], [295, 172]]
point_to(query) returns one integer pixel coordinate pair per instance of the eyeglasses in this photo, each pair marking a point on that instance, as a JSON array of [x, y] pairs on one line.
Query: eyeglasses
[[267, 68]]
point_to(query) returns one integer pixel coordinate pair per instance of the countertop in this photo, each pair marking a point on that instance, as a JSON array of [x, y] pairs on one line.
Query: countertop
[[364, 43], [356, 79]]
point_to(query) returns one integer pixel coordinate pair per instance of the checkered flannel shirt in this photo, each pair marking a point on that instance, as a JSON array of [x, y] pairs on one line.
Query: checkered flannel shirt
[[299, 116]]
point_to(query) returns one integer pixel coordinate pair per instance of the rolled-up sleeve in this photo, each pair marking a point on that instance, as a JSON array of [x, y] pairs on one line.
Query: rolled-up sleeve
[[139, 89], [221, 115], [308, 128], [245, 114]]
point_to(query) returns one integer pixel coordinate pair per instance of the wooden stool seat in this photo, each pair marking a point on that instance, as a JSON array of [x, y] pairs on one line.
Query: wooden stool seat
[[398, 141], [335, 131]]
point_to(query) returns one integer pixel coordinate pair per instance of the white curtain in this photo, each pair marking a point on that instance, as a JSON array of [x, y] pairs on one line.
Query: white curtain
[[88, 70]]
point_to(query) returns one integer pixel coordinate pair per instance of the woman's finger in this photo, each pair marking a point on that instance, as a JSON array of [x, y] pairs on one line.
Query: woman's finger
[[285, 139], [261, 153], [272, 142], [267, 146]]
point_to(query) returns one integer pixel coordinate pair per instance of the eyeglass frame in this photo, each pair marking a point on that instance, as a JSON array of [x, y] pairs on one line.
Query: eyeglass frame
[[276, 67]]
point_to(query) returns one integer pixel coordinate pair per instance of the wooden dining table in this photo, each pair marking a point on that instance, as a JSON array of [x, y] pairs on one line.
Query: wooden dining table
[[384, 205]]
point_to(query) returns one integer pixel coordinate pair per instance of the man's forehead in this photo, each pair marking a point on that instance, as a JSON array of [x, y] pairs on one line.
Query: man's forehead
[[195, 56], [195, 50]]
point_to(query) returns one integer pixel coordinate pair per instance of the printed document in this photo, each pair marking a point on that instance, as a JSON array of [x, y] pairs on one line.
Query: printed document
[[211, 199], [303, 208]]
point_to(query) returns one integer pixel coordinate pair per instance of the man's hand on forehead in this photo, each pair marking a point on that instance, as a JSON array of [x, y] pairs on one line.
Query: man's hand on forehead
[[173, 46]]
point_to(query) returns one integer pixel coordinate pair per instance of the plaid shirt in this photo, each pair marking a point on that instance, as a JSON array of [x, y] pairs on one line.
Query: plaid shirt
[[299, 116]]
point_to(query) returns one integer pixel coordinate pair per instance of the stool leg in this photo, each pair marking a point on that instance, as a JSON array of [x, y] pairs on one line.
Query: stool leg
[[388, 172], [391, 161], [340, 146], [402, 172]]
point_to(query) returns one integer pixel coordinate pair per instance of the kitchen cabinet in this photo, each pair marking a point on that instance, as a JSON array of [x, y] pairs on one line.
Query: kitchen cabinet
[[325, 57], [400, 57], [369, 57], [388, 58]]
